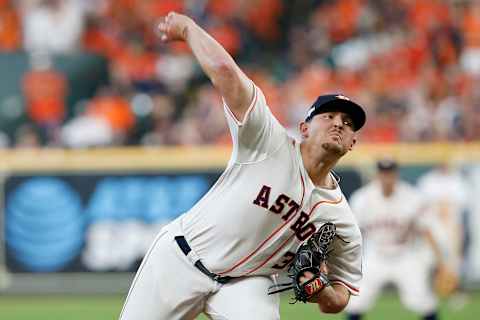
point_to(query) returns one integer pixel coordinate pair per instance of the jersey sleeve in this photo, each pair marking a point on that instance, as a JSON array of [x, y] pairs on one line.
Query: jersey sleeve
[[345, 263], [258, 134]]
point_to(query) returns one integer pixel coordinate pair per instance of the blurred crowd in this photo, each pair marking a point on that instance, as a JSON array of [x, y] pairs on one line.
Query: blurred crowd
[[414, 65]]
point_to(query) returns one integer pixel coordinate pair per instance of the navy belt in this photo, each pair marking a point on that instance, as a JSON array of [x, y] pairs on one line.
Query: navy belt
[[183, 244]]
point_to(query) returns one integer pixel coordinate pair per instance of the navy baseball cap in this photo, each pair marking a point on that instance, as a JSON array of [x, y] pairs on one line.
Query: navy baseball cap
[[338, 102], [387, 164]]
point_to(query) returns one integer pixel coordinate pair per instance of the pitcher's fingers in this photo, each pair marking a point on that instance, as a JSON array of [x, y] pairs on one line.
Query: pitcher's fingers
[[161, 30], [162, 25]]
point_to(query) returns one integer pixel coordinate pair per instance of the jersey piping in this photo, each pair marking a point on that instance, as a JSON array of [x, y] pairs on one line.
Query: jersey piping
[[249, 109], [349, 287], [289, 238], [234, 130]]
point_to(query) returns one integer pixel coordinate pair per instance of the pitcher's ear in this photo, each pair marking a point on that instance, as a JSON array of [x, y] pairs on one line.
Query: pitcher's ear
[[354, 141], [304, 129]]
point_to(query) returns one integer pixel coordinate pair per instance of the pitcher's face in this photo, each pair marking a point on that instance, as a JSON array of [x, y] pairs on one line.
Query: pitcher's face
[[333, 131]]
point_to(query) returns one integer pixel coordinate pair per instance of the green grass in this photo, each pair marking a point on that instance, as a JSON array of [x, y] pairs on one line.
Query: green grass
[[108, 307], [59, 307]]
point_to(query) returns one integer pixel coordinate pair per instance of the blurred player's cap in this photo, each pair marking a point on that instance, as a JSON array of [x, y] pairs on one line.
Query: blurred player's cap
[[387, 165], [338, 102]]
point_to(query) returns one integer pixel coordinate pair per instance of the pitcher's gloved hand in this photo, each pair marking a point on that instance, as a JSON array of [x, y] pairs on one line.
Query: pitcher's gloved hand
[[308, 271]]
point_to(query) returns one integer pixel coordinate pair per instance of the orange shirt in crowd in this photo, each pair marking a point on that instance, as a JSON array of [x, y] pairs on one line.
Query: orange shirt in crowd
[[228, 37], [340, 18], [136, 65], [162, 8], [427, 14], [45, 92], [223, 8], [98, 41], [10, 30], [113, 109], [471, 26], [118, 8], [262, 18]]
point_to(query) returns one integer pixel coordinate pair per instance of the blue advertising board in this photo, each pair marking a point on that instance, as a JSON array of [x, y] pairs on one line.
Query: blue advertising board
[[98, 222], [49, 219]]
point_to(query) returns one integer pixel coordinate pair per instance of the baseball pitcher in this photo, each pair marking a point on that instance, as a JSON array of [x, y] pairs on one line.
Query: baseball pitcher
[[277, 196]]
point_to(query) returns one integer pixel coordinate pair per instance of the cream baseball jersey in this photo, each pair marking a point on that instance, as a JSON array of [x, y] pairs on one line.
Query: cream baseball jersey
[[387, 222], [446, 194], [444, 191], [264, 205]]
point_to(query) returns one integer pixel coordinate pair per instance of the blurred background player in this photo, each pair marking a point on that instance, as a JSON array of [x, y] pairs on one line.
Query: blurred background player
[[446, 193], [389, 213]]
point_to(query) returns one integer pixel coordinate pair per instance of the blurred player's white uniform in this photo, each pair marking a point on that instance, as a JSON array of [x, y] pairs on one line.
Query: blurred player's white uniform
[[446, 193], [393, 254], [247, 226]]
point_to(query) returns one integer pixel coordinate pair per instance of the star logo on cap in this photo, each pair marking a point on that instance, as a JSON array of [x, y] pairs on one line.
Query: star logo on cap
[[341, 96]]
